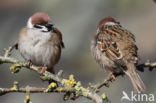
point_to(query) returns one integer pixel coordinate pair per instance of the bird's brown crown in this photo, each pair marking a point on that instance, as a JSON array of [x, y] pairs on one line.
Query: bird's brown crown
[[40, 17], [105, 20]]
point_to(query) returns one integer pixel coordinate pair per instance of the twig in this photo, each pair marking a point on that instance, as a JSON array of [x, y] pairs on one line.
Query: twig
[[109, 79], [105, 82], [66, 85], [148, 64], [36, 90], [8, 51]]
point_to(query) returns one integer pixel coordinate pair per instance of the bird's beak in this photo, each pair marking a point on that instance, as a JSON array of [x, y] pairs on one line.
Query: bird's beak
[[49, 26], [118, 23]]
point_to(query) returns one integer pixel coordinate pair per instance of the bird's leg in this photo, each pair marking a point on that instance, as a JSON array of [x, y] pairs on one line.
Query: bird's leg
[[44, 68], [112, 74], [116, 74]]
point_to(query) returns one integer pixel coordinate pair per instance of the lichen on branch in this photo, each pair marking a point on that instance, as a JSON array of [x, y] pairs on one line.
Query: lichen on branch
[[68, 86], [73, 89]]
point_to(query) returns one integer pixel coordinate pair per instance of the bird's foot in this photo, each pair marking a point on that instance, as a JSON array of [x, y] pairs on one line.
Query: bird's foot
[[44, 68], [112, 75]]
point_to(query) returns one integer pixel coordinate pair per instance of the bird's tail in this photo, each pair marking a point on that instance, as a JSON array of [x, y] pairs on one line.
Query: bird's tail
[[137, 83]]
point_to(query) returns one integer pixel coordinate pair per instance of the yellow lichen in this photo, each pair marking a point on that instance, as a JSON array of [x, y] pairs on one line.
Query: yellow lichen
[[90, 84], [71, 82], [15, 86], [103, 96], [27, 98], [15, 68], [51, 86], [88, 88], [85, 91], [80, 89], [60, 89], [78, 86], [66, 96]]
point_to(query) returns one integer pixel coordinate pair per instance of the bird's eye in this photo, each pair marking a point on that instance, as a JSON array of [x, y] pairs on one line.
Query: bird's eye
[[45, 27], [38, 26]]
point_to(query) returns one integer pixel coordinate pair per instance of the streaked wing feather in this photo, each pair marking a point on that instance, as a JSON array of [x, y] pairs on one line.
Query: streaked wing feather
[[108, 45], [110, 39], [60, 37]]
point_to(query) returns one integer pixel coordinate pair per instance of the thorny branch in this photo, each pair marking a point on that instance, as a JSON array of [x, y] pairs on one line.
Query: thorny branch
[[67, 86]]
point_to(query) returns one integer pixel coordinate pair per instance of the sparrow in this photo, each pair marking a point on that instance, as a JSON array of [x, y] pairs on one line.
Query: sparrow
[[40, 42], [114, 49]]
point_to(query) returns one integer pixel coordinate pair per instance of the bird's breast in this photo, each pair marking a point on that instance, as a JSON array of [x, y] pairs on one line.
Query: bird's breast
[[40, 52]]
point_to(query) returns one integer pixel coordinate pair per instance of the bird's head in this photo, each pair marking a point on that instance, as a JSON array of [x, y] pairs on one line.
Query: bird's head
[[41, 21], [107, 21]]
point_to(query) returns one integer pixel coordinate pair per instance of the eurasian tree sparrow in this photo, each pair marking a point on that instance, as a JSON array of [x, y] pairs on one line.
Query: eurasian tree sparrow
[[114, 49], [40, 42]]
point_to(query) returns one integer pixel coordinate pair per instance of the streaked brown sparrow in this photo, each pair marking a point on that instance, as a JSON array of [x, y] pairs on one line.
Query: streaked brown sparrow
[[114, 49]]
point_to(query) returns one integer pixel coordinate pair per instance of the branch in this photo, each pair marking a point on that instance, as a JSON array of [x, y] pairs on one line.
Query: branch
[[109, 79], [8, 51], [69, 86], [15, 88], [147, 64]]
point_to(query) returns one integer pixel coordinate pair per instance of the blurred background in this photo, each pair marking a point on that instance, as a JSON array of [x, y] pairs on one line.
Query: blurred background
[[77, 20]]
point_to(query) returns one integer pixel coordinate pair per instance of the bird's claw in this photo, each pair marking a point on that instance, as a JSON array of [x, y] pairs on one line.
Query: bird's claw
[[113, 76], [43, 69]]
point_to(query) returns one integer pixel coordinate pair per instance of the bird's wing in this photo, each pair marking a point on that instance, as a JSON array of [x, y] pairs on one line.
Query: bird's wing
[[59, 35], [109, 41]]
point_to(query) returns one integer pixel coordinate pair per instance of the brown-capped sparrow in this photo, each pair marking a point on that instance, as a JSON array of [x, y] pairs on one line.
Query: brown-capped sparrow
[[114, 49], [40, 42]]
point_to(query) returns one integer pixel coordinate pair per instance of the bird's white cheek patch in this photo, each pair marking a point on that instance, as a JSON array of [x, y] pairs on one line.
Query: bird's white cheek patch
[[110, 23], [29, 24], [44, 29]]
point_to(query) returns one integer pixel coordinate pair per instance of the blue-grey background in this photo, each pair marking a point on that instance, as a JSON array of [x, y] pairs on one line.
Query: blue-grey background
[[77, 20]]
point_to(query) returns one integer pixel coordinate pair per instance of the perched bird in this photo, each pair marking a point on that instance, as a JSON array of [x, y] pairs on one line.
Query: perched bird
[[40, 42], [114, 49]]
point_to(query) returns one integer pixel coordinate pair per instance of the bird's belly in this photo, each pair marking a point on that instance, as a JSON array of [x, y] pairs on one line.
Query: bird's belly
[[26, 49], [40, 54], [44, 55], [105, 62]]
